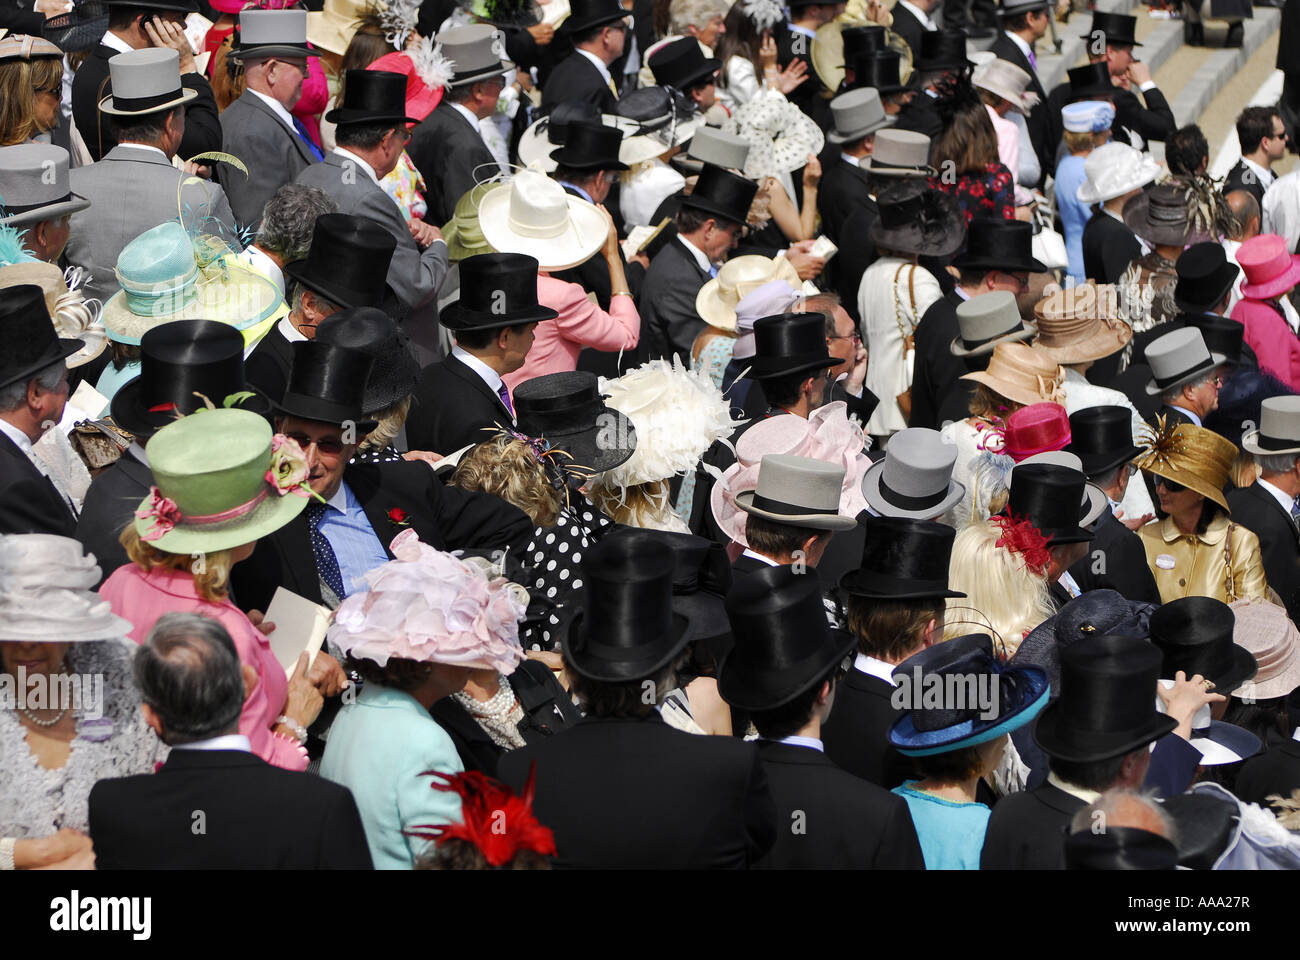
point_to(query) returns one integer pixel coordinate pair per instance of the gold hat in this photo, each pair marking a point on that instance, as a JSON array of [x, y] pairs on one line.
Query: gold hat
[[1197, 458]]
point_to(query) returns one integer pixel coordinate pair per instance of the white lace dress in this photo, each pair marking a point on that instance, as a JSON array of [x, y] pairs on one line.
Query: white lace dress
[[35, 802]]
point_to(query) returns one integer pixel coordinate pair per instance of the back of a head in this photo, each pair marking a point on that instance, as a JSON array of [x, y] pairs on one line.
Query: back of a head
[[189, 672]]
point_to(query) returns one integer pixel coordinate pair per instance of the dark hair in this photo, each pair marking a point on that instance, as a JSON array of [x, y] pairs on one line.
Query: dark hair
[[188, 671], [575, 177], [742, 39], [366, 46], [592, 33], [476, 339], [457, 854], [975, 276], [890, 629], [121, 16], [397, 674], [1253, 125], [1017, 22], [774, 539], [955, 765], [784, 390], [147, 126], [367, 135], [789, 718], [1264, 718], [602, 698], [1186, 149], [1099, 775], [690, 219]]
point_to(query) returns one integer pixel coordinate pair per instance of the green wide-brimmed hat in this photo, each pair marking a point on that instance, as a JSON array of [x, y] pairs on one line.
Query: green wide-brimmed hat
[[462, 232], [221, 480]]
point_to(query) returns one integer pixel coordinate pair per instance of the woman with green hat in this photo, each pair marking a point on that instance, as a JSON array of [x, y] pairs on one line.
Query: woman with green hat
[[223, 482]]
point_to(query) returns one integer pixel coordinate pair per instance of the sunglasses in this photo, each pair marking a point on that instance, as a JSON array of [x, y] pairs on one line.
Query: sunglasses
[[330, 446], [1170, 485]]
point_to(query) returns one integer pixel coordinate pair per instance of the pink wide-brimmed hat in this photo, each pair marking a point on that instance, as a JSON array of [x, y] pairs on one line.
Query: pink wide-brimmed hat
[[1267, 632], [1037, 428], [828, 434], [1271, 270], [426, 72]]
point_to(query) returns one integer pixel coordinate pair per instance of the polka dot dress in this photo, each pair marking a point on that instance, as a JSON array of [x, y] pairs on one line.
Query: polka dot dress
[[555, 559]]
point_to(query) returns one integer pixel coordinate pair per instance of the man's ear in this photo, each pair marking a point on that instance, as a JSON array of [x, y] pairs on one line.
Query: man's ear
[[928, 636], [152, 719]]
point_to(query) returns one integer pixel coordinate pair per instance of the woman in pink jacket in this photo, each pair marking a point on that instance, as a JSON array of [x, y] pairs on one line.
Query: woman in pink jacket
[[1265, 309], [223, 482]]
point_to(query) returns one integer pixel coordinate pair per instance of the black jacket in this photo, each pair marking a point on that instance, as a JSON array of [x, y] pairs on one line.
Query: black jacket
[[110, 504], [809, 96], [669, 323], [857, 734], [575, 78], [910, 29], [1276, 770], [828, 818], [922, 116], [636, 793], [267, 367], [937, 372], [1279, 542], [843, 191], [1154, 121], [445, 518], [29, 502], [451, 407], [447, 149], [253, 816], [1116, 560], [1241, 177], [1109, 246], [1028, 830]]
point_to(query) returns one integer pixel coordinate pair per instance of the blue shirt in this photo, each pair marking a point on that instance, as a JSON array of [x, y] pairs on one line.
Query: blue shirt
[[356, 546], [1074, 213], [951, 833]]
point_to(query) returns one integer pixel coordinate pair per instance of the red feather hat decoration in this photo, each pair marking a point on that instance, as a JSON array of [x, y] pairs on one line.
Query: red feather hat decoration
[[496, 820], [1022, 537]]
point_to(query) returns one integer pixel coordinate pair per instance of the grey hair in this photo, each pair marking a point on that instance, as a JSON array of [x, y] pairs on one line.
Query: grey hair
[[289, 220], [1275, 462], [693, 13], [14, 395], [188, 671], [299, 290], [1174, 394], [1108, 479], [1110, 810]]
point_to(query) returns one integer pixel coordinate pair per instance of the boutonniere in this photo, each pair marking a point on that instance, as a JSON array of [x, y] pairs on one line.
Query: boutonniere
[[399, 517]]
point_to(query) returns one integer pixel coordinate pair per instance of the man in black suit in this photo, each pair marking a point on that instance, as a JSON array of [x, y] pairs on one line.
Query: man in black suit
[[785, 670], [894, 604], [941, 57], [845, 187], [1263, 138], [1185, 375], [151, 23], [623, 789], [447, 147], [460, 400], [1024, 23], [795, 42], [912, 20], [214, 805], [598, 31], [345, 267], [330, 545], [33, 393], [1109, 246]]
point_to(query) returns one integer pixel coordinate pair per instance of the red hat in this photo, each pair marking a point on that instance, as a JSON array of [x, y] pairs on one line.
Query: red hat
[[1037, 428], [1270, 269], [425, 80]]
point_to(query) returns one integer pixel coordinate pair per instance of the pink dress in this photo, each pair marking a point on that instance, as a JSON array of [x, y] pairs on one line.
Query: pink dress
[[581, 323], [315, 97], [142, 598], [1270, 336]]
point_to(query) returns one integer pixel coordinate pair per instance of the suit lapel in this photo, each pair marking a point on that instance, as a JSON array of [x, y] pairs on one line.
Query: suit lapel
[[1259, 493], [24, 463], [454, 365], [299, 144]]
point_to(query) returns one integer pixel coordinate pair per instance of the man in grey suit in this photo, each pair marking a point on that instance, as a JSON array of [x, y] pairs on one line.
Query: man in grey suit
[[258, 127], [370, 137], [135, 187]]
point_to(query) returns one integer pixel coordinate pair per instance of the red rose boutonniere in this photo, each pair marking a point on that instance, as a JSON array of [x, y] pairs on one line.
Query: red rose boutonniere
[[399, 517]]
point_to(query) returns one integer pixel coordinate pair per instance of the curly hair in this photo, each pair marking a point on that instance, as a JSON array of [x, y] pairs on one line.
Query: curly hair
[[390, 420], [20, 80], [507, 467], [457, 854], [211, 571], [643, 505], [998, 584]]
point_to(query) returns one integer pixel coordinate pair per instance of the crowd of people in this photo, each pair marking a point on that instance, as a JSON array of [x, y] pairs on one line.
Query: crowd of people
[[667, 434]]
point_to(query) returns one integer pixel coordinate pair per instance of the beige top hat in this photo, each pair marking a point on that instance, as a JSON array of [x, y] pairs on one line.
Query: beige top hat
[[533, 215], [1081, 324], [798, 491], [145, 81], [1020, 373], [1279, 428], [985, 321], [737, 279], [899, 153], [333, 27], [34, 184], [1006, 80]]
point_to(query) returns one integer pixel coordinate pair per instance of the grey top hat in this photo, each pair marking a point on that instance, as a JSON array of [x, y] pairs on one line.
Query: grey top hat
[[476, 51], [914, 480], [272, 33], [1179, 357], [34, 184], [145, 81], [798, 491], [726, 150], [1279, 428], [857, 113], [899, 153], [987, 320]]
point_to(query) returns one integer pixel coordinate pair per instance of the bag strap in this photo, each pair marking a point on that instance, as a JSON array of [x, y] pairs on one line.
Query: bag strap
[[1229, 579]]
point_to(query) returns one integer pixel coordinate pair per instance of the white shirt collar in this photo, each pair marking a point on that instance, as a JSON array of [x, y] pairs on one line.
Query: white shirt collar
[[229, 741], [758, 556], [146, 146], [115, 43], [289, 331], [1087, 796], [486, 373], [697, 253], [920, 15], [811, 742], [874, 668], [23, 441], [1265, 175], [340, 499], [1279, 495], [1195, 419], [261, 261], [961, 293], [1019, 41], [1111, 213], [599, 64], [804, 30], [137, 451], [850, 159], [277, 108], [348, 154], [464, 112]]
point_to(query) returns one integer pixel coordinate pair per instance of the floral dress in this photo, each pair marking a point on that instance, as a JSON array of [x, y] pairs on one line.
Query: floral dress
[[991, 195]]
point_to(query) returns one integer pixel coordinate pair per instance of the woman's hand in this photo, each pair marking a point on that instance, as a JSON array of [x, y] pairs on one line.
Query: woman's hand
[[46, 853], [812, 173], [258, 619], [304, 702], [1184, 698], [767, 53], [795, 73], [327, 676], [804, 263], [428, 456]]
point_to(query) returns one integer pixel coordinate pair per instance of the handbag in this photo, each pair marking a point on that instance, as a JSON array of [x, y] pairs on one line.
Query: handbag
[[904, 399], [1048, 246]]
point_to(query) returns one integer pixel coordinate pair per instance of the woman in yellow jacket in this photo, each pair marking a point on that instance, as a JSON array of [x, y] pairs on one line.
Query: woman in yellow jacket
[[1196, 550]]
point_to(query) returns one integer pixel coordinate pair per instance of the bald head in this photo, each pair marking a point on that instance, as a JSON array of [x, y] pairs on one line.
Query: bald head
[[1124, 808], [1245, 213]]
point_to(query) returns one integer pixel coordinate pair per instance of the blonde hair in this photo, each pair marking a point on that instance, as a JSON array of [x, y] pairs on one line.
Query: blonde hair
[[390, 420], [998, 584], [19, 81], [644, 505], [211, 571], [506, 467], [1076, 141]]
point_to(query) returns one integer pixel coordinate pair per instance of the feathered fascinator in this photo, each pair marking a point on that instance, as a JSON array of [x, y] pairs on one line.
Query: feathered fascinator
[[398, 20], [956, 94], [432, 607], [431, 66], [1021, 537], [1192, 456], [764, 14], [494, 819]]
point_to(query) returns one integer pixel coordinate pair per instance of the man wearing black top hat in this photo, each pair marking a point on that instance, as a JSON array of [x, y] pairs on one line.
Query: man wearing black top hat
[[709, 224], [598, 31], [460, 400], [33, 392], [178, 361], [345, 267], [622, 788], [941, 58], [786, 671], [1025, 22], [683, 66], [327, 547]]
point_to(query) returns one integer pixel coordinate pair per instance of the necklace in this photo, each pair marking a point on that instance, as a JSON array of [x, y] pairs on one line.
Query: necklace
[[42, 723], [499, 715]]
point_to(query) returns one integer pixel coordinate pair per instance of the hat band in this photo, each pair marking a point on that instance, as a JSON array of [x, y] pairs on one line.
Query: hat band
[[1277, 443], [790, 509], [972, 344], [159, 301], [166, 515], [1166, 382], [13, 209], [905, 502], [146, 103], [543, 231]]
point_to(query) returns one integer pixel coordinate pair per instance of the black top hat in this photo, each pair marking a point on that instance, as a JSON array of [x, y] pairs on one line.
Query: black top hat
[[1118, 28], [1102, 437], [1222, 336], [625, 629], [701, 578], [994, 244], [348, 261], [1205, 276], [1107, 702], [916, 219], [586, 14], [903, 560], [1090, 81], [28, 333], [590, 145], [372, 96], [682, 64], [722, 193], [569, 412], [178, 361], [787, 343], [783, 642], [1052, 498], [327, 383], [1119, 848], [1195, 636], [395, 371], [496, 290], [863, 40], [877, 70], [556, 123], [942, 50], [82, 27]]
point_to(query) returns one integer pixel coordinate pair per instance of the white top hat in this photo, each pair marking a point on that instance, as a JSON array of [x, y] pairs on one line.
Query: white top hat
[[1115, 169], [533, 215]]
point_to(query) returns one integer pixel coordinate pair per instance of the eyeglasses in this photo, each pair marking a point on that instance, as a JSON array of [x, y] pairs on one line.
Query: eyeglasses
[[302, 67], [854, 336], [1022, 281], [330, 446], [1170, 485]]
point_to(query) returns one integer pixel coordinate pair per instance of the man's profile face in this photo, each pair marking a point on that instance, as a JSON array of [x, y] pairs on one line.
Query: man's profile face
[[326, 452]]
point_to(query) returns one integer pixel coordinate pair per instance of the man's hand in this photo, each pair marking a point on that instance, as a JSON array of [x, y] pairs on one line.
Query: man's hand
[[168, 33], [326, 675], [1138, 73], [542, 34], [52, 8], [611, 234], [193, 169], [804, 263], [858, 375], [424, 233], [1184, 698], [258, 619]]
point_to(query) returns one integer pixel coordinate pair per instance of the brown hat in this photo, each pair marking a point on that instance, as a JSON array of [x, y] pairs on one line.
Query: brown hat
[[1081, 324], [1193, 456], [1021, 373]]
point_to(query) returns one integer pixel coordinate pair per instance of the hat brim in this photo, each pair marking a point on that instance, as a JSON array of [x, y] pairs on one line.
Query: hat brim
[[1095, 464], [912, 238], [336, 294], [51, 212], [1113, 41], [268, 516], [1243, 669], [330, 31], [503, 66], [1225, 743], [342, 115], [1223, 280], [455, 317], [871, 492], [584, 451], [910, 742], [1009, 390], [186, 95], [130, 413], [902, 173], [705, 612], [641, 147], [322, 411], [1051, 734], [1135, 218], [765, 368], [979, 261], [834, 136], [863, 583], [586, 163], [535, 146], [958, 347], [1192, 482], [1275, 286], [748, 689], [243, 299], [1101, 343], [572, 25], [581, 240], [578, 653], [267, 50], [1216, 360], [833, 522], [1146, 173], [66, 348], [1250, 443]]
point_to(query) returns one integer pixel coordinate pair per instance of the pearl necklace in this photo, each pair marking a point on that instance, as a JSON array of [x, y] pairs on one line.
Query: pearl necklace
[[42, 723]]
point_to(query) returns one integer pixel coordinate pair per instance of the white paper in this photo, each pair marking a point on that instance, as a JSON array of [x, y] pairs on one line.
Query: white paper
[[299, 625]]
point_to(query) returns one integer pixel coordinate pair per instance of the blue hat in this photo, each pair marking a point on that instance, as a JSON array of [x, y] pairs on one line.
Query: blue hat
[[1087, 116]]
